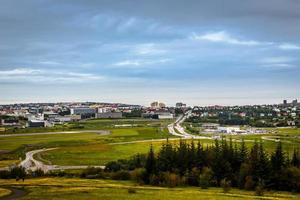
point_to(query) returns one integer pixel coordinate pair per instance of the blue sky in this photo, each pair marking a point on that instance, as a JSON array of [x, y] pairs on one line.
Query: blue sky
[[201, 53]]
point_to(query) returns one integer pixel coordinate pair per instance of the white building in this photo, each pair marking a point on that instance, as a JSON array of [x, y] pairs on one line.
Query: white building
[[228, 129]]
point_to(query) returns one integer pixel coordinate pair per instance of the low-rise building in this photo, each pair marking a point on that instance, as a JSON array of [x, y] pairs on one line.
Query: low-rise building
[[109, 115], [35, 123]]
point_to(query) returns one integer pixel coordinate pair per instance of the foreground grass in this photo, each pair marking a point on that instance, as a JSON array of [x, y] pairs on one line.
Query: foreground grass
[[75, 188], [4, 192]]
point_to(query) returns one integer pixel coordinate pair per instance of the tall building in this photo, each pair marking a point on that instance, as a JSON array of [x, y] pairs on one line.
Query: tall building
[[157, 104], [295, 102], [284, 102], [180, 105]]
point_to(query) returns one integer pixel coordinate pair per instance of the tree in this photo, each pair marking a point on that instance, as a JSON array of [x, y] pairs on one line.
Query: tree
[[295, 159], [150, 164], [205, 178]]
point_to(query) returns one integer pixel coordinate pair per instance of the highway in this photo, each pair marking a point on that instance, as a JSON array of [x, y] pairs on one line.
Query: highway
[[177, 130]]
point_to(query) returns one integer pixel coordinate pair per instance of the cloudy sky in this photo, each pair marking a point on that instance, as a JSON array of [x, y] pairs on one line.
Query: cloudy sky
[[135, 51]]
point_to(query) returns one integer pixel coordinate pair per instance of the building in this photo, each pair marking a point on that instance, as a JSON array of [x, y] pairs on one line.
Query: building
[[180, 105], [228, 129], [295, 102], [36, 123], [9, 122], [157, 104], [165, 115], [109, 115], [284, 102], [82, 110]]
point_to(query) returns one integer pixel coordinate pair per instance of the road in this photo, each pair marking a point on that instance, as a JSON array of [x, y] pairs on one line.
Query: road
[[31, 164], [180, 130]]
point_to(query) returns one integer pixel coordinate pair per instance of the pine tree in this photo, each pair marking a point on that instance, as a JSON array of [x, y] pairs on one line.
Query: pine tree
[[295, 159], [151, 162], [278, 158]]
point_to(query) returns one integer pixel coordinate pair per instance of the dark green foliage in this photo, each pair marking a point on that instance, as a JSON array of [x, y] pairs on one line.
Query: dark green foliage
[[226, 185], [224, 164]]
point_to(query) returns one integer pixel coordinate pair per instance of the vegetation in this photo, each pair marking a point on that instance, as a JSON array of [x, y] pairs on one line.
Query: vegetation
[[76, 188], [224, 164]]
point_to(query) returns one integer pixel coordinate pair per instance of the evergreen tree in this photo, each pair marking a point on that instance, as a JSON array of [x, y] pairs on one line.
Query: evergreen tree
[[295, 159], [150, 164], [278, 159]]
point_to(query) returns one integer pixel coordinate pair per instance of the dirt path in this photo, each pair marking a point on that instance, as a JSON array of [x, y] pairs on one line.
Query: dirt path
[[15, 193]]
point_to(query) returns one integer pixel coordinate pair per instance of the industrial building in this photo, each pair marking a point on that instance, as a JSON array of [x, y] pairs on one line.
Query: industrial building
[[109, 115]]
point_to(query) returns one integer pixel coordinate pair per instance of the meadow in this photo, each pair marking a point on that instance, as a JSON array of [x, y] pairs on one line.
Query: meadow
[[74, 188], [95, 149]]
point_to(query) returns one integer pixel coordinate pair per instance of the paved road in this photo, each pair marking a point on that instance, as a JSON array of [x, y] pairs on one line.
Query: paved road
[[101, 132], [32, 164], [181, 132]]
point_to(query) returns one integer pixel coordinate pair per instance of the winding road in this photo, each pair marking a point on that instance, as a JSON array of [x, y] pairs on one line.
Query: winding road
[[31, 164]]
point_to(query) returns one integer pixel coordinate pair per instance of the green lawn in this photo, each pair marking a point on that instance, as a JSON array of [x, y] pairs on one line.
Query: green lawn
[[92, 124], [74, 188], [4, 192]]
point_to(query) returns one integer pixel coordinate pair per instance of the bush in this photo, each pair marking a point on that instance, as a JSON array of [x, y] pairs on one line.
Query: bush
[[249, 183], [92, 172], [131, 191], [121, 175], [205, 178], [226, 185], [259, 190], [138, 175]]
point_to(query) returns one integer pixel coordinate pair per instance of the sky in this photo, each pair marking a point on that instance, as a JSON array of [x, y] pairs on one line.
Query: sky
[[217, 52]]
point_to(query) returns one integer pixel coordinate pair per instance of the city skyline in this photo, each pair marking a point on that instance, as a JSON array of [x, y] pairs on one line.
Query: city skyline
[[138, 52]]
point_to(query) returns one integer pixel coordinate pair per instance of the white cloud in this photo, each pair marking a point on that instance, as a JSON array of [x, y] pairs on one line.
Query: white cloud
[[45, 76], [288, 46], [279, 62], [148, 49], [279, 59], [19, 72], [224, 37], [138, 63]]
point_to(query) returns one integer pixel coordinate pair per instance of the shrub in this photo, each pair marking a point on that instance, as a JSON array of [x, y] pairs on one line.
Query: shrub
[[205, 178], [249, 183], [259, 190], [226, 185], [138, 175], [131, 191], [121, 175], [92, 172]]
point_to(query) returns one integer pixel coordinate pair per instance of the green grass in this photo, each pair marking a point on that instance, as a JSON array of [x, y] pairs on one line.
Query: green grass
[[93, 124], [77, 139], [74, 188], [4, 192]]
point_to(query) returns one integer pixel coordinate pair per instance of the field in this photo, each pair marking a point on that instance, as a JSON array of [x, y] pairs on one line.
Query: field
[[94, 149], [93, 124], [74, 188], [126, 139]]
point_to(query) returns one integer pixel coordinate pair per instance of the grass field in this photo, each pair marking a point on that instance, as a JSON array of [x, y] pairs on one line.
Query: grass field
[[94, 124], [95, 149], [4, 192], [74, 188]]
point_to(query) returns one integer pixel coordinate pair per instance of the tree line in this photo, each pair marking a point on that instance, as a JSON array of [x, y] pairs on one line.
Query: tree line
[[225, 164]]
